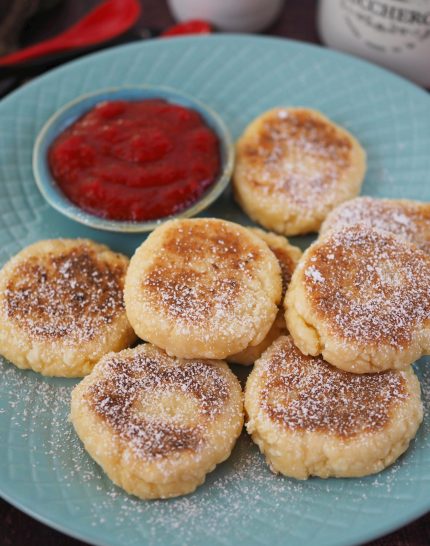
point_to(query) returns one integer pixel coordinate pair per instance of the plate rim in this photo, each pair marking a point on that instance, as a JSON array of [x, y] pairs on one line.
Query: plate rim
[[363, 538], [152, 42]]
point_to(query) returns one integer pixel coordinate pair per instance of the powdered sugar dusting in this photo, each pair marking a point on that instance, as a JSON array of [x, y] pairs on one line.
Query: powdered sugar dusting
[[299, 156], [305, 393], [187, 296], [206, 278], [314, 274], [68, 295], [243, 489], [144, 377], [408, 220], [377, 289]]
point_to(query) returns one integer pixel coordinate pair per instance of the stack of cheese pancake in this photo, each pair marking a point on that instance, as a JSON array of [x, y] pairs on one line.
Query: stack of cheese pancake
[[339, 397], [332, 333]]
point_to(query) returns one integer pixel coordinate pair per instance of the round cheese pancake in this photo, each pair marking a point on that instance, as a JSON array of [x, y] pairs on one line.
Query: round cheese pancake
[[62, 308], [288, 257], [311, 419], [202, 288], [156, 424], [293, 166], [409, 220], [361, 298]]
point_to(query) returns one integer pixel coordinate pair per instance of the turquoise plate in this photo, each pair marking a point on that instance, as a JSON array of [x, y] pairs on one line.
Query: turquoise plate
[[44, 469]]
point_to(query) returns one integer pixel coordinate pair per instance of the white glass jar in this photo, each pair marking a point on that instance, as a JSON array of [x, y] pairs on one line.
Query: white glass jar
[[230, 15], [393, 33]]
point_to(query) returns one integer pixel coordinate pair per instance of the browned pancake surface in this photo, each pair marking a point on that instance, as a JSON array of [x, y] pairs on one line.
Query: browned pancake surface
[[304, 393], [409, 220], [148, 374], [198, 271], [290, 134], [68, 294], [287, 265], [368, 286]]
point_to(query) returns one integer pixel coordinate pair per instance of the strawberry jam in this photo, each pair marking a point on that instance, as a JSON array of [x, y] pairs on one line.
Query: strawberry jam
[[136, 160]]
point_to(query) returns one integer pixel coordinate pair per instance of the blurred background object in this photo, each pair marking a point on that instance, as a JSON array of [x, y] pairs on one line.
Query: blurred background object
[[392, 33], [13, 16], [100, 25], [105, 22], [229, 15]]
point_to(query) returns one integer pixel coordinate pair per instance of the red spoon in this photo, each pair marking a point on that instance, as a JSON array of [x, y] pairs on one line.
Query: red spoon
[[104, 22]]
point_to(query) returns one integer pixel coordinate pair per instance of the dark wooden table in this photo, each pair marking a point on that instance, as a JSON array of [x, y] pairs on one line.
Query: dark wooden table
[[297, 21]]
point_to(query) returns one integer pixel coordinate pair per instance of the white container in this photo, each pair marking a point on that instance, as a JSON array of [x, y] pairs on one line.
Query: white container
[[229, 15], [393, 33]]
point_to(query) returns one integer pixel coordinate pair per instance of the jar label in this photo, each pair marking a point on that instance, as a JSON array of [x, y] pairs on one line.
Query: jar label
[[388, 25]]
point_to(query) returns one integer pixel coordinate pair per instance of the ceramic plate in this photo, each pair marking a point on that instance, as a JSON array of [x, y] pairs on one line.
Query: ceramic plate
[[44, 469]]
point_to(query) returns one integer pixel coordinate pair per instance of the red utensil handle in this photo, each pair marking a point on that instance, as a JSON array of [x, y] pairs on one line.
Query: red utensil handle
[[194, 26], [106, 21]]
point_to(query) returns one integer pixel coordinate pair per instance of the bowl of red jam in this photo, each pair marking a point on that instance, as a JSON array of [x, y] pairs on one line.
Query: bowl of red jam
[[127, 159]]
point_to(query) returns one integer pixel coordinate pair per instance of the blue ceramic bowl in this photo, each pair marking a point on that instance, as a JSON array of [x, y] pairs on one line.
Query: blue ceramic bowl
[[76, 108]]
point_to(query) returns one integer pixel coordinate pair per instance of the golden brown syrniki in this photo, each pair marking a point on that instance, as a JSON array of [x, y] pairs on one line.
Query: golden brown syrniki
[[361, 298], [311, 419], [62, 308], [156, 424], [409, 220], [293, 166], [202, 288], [288, 257]]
